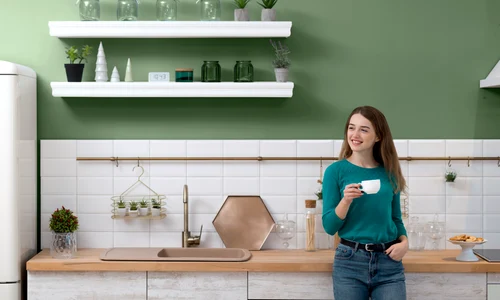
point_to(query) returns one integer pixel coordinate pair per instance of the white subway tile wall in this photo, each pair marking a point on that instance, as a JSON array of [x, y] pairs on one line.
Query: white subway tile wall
[[470, 205]]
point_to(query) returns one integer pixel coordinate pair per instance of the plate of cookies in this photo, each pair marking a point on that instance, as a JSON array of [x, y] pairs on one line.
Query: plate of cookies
[[467, 242], [466, 239]]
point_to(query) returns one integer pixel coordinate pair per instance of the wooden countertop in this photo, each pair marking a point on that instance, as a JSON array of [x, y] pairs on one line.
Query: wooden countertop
[[261, 261]]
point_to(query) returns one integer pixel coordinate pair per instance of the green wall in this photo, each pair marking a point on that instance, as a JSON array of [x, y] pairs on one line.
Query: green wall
[[420, 62]]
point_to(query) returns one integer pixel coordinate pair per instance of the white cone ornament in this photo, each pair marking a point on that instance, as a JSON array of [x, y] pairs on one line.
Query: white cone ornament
[[115, 76], [101, 66], [128, 72]]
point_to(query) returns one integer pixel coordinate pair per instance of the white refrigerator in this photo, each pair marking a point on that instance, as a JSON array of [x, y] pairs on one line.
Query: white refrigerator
[[18, 177]]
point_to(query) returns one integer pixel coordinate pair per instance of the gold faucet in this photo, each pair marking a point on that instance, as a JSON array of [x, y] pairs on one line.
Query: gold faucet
[[187, 239]]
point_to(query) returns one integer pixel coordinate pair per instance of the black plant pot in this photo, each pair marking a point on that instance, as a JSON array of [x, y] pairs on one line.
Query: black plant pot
[[74, 72]]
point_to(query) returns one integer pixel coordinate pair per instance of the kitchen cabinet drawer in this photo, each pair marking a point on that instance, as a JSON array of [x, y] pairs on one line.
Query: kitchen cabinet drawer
[[87, 285], [493, 291], [284, 285], [441, 286], [197, 285]]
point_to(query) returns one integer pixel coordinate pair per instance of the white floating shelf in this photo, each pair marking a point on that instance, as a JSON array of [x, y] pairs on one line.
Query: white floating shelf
[[173, 89], [171, 29], [493, 79]]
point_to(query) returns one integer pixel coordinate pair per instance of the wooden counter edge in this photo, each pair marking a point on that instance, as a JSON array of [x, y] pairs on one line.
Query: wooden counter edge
[[261, 261]]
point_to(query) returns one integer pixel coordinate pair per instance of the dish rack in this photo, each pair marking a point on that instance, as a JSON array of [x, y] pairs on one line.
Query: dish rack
[[121, 206]]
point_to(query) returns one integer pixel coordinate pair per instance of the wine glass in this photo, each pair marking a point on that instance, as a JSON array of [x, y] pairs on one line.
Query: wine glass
[[435, 231], [285, 229]]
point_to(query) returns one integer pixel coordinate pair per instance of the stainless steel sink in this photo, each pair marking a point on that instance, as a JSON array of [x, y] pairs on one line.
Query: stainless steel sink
[[176, 254]]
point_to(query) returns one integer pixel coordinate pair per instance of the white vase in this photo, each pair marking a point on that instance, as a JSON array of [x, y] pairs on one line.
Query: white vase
[[281, 74], [241, 14], [268, 14], [133, 213]]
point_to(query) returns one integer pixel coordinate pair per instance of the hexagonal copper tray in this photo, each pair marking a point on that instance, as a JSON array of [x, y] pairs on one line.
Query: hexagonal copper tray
[[243, 222]]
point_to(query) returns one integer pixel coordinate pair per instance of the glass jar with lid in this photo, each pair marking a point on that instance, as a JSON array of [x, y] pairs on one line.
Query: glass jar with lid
[[210, 10], [90, 10], [310, 221], [127, 10], [166, 10]]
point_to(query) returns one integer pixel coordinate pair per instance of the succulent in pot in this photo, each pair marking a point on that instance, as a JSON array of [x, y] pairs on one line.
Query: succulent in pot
[[268, 13], [144, 208], [241, 12], [156, 207], [133, 210], [121, 208], [63, 225]]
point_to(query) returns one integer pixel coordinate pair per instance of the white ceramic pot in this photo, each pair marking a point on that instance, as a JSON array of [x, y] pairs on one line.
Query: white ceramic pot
[[143, 211], [122, 212], [281, 74], [155, 212], [241, 14], [268, 14], [133, 213]]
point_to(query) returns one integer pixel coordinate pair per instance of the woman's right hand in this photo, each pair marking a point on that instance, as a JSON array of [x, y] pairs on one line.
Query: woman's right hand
[[352, 192]]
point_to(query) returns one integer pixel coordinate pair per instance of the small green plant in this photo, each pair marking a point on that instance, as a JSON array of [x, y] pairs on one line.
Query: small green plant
[[144, 204], [121, 204], [155, 203], [133, 205], [241, 3], [63, 221], [268, 4], [319, 194], [73, 54], [450, 176], [281, 51]]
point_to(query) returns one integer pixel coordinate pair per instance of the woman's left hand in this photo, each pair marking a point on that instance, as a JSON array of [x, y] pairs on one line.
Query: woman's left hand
[[397, 251]]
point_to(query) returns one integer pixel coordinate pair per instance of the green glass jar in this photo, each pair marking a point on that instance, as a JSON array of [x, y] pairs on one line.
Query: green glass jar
[[90, 10], [243, 71], [211, 71], [183, 75]]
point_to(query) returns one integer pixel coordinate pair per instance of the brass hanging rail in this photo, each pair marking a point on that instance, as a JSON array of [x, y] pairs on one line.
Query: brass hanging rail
[[260, 158]]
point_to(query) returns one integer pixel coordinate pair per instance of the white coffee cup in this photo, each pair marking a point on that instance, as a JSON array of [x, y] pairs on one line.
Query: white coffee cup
[[370, 186]]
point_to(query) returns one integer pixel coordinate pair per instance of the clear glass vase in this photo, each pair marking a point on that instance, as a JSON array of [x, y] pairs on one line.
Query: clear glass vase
[[166, 10], [210, 10], [63, 245], [127, 10], [90, 10]]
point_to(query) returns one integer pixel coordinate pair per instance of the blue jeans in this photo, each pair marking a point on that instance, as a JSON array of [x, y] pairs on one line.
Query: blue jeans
[[360, 274]]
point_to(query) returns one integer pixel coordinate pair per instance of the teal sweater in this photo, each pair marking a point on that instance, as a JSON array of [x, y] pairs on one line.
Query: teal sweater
[[374, 218]]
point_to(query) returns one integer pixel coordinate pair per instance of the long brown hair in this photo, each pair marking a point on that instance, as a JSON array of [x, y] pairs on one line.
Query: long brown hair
[[384, 150]]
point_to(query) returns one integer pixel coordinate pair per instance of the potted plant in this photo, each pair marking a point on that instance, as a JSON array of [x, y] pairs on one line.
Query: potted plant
[[281, 62], [63, 225], [74, 70], [143, 209], [268, 13], [450, 176], [133, 209], [241, 12], [156, 207], [122, 208]]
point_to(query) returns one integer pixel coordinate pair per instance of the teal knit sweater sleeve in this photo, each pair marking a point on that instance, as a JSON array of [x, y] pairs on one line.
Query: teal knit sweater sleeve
[[331, 198], [396, 214]]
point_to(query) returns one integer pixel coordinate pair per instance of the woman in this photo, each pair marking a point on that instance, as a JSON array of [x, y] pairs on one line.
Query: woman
[[372, 234]]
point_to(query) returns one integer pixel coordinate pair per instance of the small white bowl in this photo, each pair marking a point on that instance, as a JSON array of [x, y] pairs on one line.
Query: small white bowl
[[467, 254]]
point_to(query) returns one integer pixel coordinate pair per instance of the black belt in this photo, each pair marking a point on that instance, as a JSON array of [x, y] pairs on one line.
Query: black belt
[[369, 247]]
